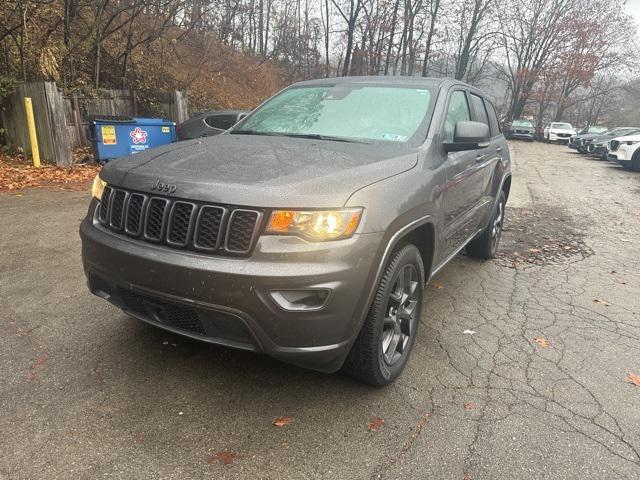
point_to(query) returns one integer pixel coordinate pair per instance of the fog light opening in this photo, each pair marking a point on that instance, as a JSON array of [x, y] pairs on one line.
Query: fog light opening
[[301, 300]]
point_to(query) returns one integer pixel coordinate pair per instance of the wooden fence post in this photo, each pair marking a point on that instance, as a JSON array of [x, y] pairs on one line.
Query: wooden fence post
[[180, 108], [77, 121]]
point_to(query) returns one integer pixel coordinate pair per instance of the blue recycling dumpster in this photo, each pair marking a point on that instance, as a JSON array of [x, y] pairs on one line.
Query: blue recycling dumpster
[[114, 137]]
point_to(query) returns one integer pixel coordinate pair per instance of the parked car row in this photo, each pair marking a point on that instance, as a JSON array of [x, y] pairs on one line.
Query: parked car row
[[620, 145]]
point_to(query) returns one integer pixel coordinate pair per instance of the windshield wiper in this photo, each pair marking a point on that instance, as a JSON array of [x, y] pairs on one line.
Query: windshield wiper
[[318, 136], [313, 136], [254, 132]]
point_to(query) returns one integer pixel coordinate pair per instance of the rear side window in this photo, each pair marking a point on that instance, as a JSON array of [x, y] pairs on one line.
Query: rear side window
[[223, 122], [493, 119], [479, 111], [458, 111]]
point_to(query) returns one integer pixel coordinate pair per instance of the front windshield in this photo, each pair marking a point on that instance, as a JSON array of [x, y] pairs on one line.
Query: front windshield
[[597, 129], [348, 111], [564, 126], [522, 123]]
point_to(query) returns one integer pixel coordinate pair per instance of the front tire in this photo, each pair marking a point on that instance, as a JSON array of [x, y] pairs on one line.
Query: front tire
[[486, 244], [384, 343]]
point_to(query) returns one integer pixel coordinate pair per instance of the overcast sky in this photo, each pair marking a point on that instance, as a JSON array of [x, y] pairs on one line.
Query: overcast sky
[[633, 6]]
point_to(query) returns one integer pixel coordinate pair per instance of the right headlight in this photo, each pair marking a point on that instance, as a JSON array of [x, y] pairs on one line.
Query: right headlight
[[315, 225]]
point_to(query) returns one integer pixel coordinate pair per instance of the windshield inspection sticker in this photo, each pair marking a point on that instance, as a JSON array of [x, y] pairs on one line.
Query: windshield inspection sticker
[[393, 137], [108, 134]]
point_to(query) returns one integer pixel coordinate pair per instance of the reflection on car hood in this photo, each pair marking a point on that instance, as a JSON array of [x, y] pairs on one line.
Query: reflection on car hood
[[268, 171]]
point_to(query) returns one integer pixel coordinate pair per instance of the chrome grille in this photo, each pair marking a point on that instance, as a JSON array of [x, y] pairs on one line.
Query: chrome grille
[[178, 223]]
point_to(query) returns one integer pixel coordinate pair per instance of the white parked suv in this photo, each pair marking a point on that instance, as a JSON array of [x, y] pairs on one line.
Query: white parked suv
[[558, 132], [626, 151]]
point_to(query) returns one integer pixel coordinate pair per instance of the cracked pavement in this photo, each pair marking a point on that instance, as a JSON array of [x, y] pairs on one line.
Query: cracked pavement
[[538, 391]]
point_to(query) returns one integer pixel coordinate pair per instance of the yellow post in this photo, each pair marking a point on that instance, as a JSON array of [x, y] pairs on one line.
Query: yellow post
[[31, 125]]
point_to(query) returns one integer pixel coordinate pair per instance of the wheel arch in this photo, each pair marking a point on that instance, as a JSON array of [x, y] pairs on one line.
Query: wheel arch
[[423, 238], [506, 186]]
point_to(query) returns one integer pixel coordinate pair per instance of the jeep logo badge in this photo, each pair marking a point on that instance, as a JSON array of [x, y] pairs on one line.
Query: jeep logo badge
[[164, 187]]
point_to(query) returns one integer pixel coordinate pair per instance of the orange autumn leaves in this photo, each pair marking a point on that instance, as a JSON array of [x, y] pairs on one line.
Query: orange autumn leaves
[[15, 175]]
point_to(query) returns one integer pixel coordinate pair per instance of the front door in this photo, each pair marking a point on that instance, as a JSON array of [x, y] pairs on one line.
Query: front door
[[464, 187]]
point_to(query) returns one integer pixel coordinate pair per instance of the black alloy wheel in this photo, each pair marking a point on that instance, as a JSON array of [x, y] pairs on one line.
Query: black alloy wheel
[[400, 315]]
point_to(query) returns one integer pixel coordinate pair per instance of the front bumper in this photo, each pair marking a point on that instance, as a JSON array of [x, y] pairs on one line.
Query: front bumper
[[624, 154], [598, 150], [229, 299], [512, 134], [559, 137]]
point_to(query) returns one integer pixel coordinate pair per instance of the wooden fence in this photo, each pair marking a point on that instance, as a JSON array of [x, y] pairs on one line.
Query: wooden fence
[[62, 118], [53, 142]]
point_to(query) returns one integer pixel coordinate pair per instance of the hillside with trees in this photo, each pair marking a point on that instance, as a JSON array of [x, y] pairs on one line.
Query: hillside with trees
[[545, 59]]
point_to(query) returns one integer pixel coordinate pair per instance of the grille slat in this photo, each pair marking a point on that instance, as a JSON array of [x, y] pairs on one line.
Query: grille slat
[[208, 227], [117, 209], [135, 210], [103, 216], [156, 220], [178, 223], [241, 228]]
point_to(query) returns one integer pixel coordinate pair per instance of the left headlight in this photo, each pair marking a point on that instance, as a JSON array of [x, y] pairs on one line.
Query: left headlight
[[98, 187], [315, 225]]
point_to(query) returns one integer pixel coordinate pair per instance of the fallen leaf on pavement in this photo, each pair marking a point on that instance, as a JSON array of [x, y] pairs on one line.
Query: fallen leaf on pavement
[[438, 286], [535, 250], [225, 457], [633, 378], [602, 302], [39, 361], [467, 476], [469, 406], [282, 421], [138, 438], [375, 423], [621, 281], [542, 342]]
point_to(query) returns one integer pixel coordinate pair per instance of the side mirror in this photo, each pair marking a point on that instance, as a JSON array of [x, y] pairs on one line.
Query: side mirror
[[468, 136]]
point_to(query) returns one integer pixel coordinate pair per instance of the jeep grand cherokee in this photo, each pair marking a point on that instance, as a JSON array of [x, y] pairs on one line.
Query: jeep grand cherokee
[[309, 230]]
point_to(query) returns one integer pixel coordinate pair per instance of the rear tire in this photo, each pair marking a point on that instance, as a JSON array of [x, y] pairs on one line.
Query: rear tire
[[486, 244], [386, 338]]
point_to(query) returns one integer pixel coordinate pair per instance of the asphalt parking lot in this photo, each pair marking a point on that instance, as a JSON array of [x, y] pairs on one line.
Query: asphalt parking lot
[[521, 367]]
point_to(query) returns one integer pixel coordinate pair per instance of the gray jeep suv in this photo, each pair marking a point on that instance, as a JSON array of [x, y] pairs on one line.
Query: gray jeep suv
[[309, 230]]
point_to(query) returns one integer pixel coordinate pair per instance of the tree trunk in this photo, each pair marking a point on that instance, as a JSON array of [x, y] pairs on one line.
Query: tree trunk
[[394, 19]]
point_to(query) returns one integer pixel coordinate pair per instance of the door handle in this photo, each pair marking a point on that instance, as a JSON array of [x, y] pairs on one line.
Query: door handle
[[499, 149], [480, 158]]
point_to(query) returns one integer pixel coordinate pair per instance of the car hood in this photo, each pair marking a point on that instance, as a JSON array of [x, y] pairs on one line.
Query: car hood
[[261, 171], [628, 138], [588, 136], [601, 138]]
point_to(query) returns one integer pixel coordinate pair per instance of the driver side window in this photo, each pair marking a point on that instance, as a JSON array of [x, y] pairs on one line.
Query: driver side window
[[458, 111]]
